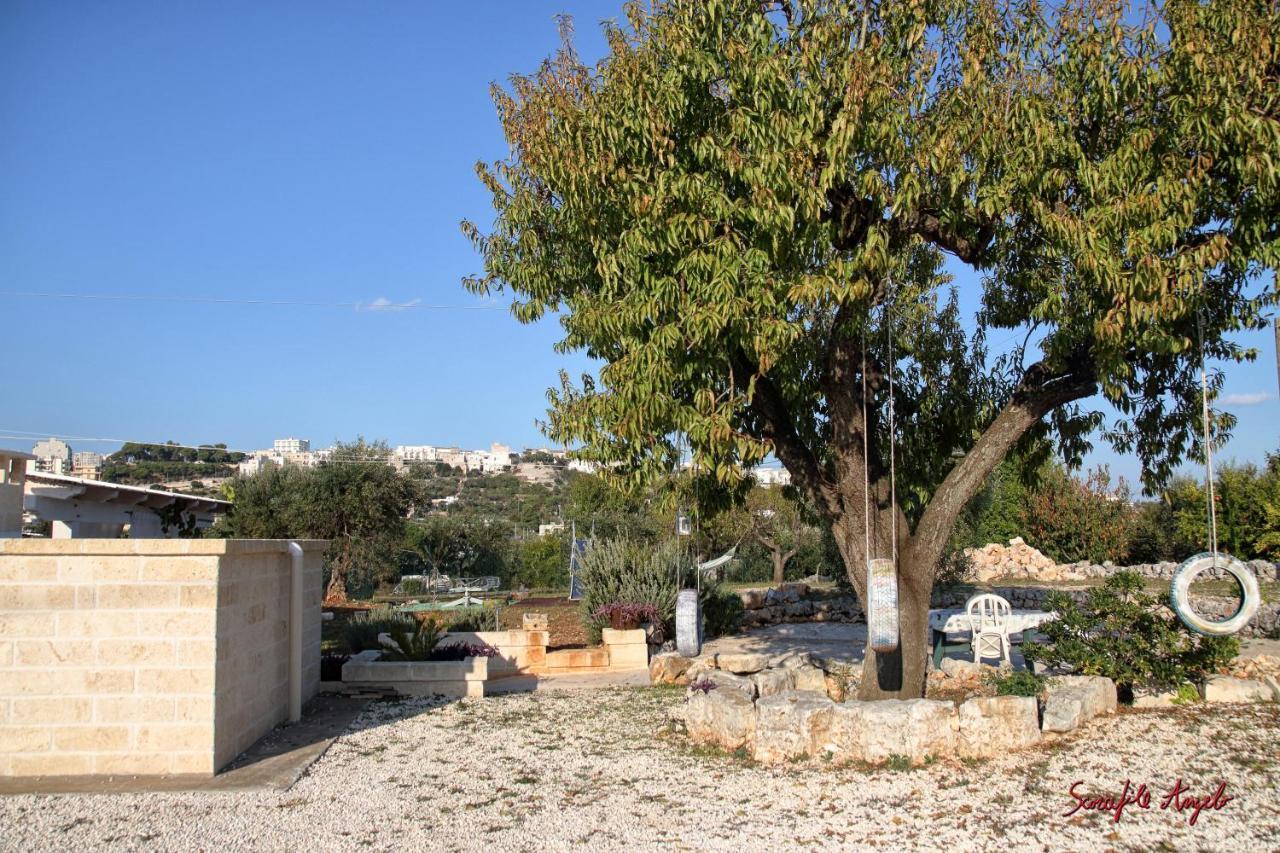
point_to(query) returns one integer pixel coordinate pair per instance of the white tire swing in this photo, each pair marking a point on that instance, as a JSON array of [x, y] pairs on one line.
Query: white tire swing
[[1180, 587], [882, 572], [1180, 594]]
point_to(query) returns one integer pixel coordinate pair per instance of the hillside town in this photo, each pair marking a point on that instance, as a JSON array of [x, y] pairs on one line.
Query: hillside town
[[55, 456]]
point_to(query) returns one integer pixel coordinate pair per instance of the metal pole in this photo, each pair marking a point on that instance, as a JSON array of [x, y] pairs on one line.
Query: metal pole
[[1275, 322]]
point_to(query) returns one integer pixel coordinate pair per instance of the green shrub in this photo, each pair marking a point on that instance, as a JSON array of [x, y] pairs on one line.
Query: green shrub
[[721, 609], [474, 619], [411, 587], [362, 630], [619, 571], [1021, 682], [1186, 694], [1129, 636]]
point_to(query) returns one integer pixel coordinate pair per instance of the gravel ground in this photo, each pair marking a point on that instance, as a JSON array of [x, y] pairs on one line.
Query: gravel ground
[[555, 771]]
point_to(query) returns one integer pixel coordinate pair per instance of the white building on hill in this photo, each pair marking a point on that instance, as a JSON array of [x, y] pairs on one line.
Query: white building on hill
[[769, 477], [291, 445], [52, 456]]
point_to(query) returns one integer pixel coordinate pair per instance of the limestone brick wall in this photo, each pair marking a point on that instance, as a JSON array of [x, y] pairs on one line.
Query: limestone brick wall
[[135, 656]]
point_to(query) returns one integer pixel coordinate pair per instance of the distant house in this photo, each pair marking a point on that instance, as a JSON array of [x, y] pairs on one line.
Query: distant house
[[79, 508]]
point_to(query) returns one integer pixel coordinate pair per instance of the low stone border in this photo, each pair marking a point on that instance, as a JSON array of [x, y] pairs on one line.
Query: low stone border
[[459, 679], [792, 710], [789, 707]]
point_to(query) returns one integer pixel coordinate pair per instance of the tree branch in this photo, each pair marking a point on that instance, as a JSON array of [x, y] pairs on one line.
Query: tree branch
[[1040, 392], [854, 215], [769, 405]]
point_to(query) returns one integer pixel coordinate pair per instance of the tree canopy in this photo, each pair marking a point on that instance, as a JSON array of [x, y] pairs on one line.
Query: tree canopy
[[356, 501], [744, 208]]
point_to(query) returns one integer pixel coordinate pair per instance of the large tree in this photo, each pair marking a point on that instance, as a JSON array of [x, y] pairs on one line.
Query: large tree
[[745, 205], [355, 499]]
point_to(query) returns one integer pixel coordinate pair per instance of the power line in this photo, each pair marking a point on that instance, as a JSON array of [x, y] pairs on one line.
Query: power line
[[374, 306]]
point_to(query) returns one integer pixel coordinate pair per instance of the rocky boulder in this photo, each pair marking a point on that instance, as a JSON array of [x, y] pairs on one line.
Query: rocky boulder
[[723, 717], [994, 725], [809, 677], [875, 732], [741, 663], [726, 681], [669, 668], [1075, 699], [791, 725], [963, 669], [770, 682], [1224, 688]]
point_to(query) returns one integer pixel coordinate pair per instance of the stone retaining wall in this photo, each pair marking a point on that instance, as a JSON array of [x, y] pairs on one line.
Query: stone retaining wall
[[795, 602], [1018, 559]]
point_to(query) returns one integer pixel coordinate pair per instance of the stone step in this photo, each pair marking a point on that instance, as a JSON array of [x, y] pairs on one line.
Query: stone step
[[583, 660]]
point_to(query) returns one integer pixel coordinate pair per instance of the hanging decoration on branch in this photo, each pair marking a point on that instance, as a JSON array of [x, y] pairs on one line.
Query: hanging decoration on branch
[[1180, 588]]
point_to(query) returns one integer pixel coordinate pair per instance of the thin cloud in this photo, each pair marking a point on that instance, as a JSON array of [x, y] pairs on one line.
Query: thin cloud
[[1245, 399], [382, 303]]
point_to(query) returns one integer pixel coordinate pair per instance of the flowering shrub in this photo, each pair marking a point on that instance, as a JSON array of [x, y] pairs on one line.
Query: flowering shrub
[[462, 651], [706, 685], [624, 616]]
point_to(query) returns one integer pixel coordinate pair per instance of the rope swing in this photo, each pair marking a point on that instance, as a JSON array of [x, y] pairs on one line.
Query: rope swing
[[1180, 588], [882, 572]]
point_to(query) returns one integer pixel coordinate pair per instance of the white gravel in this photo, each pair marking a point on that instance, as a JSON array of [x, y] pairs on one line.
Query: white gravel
[[560, 770]]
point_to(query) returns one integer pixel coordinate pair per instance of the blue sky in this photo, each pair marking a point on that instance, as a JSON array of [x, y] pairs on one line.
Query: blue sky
[[309, 151]]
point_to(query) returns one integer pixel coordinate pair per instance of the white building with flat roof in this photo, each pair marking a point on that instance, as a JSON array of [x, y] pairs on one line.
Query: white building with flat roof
[[416, 452], [92, 509], [291, 445], [52, 456]]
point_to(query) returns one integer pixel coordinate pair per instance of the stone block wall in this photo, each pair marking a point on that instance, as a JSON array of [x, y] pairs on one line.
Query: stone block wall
[[144, 656], [518, 651], [252, 671]]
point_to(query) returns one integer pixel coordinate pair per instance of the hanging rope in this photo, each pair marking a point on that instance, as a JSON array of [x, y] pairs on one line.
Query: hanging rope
[[866, 459], [893, 473], [882, 574], [1180, 586], [1208, 444]]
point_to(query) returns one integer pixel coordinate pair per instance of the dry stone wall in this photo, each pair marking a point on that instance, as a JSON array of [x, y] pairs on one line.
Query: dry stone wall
[[796, 602]]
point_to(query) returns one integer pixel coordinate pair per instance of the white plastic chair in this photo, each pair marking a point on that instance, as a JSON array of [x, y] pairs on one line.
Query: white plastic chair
[[989, 624]]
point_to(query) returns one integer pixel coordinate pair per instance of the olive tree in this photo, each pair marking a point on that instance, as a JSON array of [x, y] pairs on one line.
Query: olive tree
[[743, 210]]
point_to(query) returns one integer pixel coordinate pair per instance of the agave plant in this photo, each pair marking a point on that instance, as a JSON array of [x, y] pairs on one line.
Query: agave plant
[[417, 646]]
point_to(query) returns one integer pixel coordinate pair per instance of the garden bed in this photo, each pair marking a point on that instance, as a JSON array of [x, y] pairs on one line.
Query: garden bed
[[457, 679]]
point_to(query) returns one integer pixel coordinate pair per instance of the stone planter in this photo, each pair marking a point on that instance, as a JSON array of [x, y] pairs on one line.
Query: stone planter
[[459, 679], [627, 649], [519, 652]]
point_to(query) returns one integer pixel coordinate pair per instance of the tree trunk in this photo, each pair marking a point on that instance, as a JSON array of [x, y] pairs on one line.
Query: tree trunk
[[779, 568], [901, 674], [336, 591]]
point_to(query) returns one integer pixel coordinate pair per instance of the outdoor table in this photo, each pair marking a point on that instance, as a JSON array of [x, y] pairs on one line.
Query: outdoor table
[[955, 620]]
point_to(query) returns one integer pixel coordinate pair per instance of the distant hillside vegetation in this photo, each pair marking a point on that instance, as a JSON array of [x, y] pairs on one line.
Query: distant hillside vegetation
[[142, 464]]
